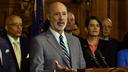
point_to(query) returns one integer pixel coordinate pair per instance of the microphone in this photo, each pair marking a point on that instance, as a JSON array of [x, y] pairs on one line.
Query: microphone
[[99, 54]]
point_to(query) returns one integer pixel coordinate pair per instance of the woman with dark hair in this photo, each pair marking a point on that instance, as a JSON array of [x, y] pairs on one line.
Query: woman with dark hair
[[122, 56], [91, 48]]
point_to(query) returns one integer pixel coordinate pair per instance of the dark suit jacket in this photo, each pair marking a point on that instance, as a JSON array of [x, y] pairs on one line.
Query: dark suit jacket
[[24, 51], [45, 50], [109, 50], [91, 61], [5, 66]]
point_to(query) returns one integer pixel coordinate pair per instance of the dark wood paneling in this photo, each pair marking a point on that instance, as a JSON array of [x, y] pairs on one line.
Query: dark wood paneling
[[4, 9], [114, 17], [99, 8], [123, 18], [115, 9]]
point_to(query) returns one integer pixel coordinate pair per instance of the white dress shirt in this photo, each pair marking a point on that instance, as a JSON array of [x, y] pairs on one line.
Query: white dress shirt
[[56, 35], [12, 40], [16, 44]]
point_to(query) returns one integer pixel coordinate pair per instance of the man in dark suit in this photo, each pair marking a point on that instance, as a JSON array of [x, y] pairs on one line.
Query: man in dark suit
[[113, 45], [47, 51], [5, 62], [17, 44]]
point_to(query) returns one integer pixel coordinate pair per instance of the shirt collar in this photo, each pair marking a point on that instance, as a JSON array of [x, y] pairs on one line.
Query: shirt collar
[[12, 40], [56, 34]]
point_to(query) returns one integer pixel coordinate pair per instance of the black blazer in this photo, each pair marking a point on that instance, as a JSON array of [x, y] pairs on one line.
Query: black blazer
[[24, 42], [91, 61], [109, 50], [5, 65]]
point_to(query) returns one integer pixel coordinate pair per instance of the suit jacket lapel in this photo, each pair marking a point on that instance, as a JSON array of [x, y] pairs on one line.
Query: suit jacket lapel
[[52, 40], [12, 51], [71, 48], [24, 47]]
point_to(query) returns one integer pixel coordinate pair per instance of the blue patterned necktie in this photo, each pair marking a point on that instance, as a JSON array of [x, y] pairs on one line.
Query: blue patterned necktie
[[67, 55]]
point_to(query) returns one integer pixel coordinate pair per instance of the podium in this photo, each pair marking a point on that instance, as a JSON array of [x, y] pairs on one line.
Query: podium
[[114, 69]]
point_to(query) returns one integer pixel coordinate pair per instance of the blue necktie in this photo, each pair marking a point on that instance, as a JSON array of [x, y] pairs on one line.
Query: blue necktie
[[67, 55]]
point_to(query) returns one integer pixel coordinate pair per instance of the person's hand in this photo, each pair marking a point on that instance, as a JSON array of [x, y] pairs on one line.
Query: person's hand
[[71, 70], [60, 68]]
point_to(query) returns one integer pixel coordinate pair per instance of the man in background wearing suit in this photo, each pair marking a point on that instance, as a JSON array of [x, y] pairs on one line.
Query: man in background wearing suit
[[5, 63], [113, 45], [48, 52], [17, 44], [70, 27], [70, 23]]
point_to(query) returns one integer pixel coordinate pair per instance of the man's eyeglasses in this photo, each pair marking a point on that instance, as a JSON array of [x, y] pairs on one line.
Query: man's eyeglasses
[[16, 25]]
